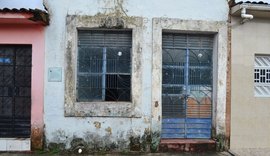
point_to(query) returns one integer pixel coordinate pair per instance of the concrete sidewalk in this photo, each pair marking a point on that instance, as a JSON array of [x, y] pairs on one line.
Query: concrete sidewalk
[[250, 152], [124, 154]]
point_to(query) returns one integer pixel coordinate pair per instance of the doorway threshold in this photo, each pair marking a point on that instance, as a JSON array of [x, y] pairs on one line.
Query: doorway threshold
[[15, 144], [187, 145]]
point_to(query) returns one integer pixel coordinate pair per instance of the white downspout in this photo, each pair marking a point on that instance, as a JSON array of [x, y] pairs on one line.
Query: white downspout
[[245, 16]]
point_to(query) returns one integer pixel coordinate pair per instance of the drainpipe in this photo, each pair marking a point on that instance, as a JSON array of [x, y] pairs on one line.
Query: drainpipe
[[246, 17]]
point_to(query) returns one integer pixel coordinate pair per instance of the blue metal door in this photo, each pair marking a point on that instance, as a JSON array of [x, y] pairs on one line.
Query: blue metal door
[[186, 86]]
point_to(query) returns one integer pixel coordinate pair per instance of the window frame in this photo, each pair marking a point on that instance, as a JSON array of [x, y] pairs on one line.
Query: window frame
[[107, 108], [258, 85], [104, 31]]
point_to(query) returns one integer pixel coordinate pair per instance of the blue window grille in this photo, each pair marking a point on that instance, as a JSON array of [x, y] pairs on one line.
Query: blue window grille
[[104, 68]]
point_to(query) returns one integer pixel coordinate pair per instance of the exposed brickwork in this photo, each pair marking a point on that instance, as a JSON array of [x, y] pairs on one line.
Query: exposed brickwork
[[228, 86], [187, 145]]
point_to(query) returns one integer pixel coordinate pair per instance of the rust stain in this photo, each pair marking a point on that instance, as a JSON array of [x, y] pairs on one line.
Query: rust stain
[[97, 124], [36, 138], [146, 120], [204, 105], [109, 130]]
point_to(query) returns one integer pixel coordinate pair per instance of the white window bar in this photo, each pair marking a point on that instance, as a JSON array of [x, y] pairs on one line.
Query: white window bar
[[262, 76]]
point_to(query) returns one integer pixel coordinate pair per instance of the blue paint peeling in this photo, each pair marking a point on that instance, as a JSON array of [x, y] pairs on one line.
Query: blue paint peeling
[[5, 60]]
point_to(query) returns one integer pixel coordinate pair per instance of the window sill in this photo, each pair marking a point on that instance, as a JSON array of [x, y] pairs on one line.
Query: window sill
[[261, 96], [103, 109]]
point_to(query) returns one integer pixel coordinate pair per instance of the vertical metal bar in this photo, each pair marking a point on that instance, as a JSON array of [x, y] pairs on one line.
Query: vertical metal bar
[[186, 75], [104, 68], [130, 74], [186, 86], [14, 91]]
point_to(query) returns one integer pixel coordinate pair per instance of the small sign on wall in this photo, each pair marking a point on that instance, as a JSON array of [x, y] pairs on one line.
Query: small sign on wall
[[55, 74]]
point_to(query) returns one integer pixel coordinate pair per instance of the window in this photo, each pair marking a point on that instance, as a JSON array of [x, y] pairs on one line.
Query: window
[[104, 65], [262, 75]]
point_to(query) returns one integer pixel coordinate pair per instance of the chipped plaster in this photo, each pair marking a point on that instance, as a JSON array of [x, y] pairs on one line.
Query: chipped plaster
[[145, 111]]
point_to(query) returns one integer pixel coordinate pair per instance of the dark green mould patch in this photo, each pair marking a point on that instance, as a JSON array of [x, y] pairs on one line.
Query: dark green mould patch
[[146, 143], [93, 143], [155, 140], [135, 144], [221, 143]]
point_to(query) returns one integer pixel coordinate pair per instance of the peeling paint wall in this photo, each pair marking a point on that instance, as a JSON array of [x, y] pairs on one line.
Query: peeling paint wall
[[139, 128]]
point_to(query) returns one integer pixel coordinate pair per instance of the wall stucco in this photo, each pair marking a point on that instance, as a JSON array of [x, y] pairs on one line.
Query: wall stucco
[[249, 114], [34, 35], [122, 128]]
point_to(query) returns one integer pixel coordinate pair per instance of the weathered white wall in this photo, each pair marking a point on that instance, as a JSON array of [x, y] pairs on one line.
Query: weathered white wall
[[61, 129], [249, 114]]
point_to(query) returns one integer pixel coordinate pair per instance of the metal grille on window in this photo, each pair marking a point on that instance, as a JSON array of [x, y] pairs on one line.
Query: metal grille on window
[[262, 76], [104, 68]]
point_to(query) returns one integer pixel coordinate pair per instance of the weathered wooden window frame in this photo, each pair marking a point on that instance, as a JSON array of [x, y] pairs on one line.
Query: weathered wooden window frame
[[102, 109]]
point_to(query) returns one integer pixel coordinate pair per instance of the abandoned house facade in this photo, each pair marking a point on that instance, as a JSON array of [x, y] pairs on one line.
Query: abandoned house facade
[[125, 75], [133, 75]]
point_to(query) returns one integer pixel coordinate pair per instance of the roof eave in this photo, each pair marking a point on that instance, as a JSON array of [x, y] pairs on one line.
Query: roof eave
[[34, 15], [258, 10]]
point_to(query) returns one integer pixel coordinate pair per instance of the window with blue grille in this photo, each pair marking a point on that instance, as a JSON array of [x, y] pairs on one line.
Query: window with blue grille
[[104, 65]]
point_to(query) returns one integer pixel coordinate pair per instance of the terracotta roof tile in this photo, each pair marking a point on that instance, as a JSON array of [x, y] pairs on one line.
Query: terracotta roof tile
[[253, 2]]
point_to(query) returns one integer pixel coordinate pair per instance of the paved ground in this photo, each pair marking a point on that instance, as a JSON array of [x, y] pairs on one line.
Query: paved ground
[[124, 154]]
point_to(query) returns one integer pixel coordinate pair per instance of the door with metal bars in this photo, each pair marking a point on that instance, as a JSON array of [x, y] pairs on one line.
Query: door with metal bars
[[15, 91], [186, 85]]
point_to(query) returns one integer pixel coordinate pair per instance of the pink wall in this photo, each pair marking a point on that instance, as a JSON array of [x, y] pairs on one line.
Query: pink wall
[[34, 35]]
